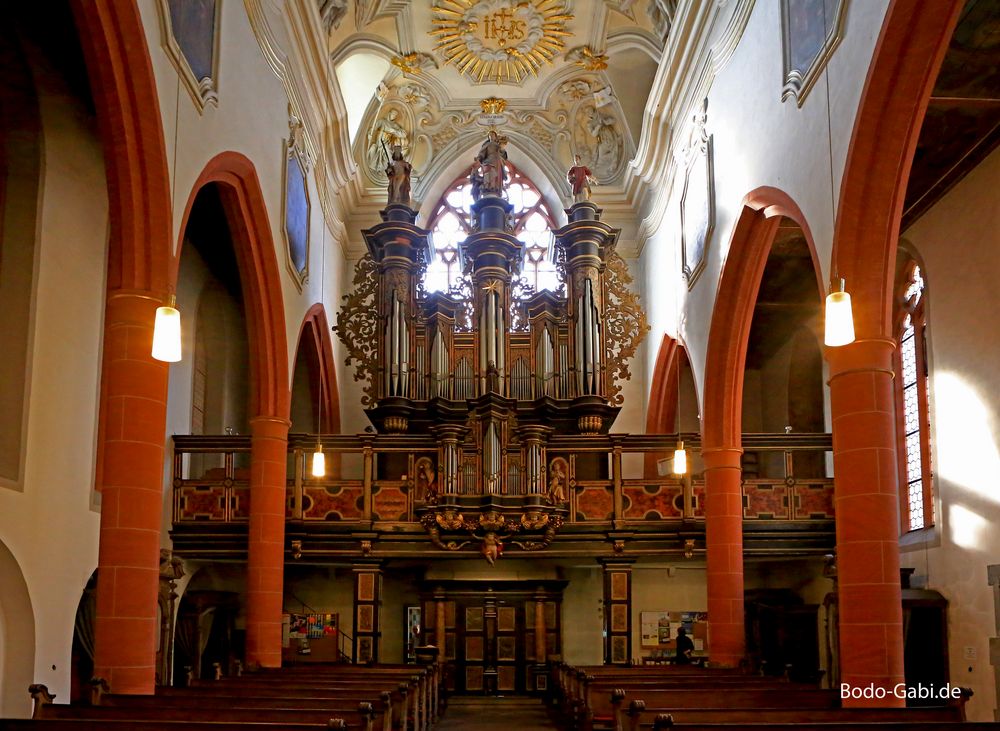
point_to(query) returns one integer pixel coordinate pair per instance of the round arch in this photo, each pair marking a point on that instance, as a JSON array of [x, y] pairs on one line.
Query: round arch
[[246, 215], [17, 638], [314, 336]]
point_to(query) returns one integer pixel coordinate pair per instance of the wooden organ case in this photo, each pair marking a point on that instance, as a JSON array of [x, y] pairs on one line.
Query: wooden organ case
[[491, 371]]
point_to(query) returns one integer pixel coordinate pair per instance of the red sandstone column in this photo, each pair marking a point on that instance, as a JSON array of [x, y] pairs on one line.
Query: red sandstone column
[[266, 545], [866, 503], [133, 436], [724, 543]]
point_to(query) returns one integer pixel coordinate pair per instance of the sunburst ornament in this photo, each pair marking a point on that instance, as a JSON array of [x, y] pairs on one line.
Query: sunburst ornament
[[500, 40]]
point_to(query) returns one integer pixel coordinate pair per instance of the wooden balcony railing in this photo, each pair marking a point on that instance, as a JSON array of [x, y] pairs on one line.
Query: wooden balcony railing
[[372, 478]]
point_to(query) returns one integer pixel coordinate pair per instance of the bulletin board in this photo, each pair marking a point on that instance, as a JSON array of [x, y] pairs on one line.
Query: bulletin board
[[659, 630]]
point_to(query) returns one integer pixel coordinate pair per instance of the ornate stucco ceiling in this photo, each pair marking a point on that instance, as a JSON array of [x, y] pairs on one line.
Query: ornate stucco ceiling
[[575, 76]]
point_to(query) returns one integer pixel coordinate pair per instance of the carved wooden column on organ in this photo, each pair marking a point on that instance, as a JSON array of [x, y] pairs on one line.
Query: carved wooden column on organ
[[396, 245]]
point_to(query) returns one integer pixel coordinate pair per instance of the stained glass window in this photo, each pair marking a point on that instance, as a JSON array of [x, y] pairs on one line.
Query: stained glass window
[[912, 392], [532, 222]]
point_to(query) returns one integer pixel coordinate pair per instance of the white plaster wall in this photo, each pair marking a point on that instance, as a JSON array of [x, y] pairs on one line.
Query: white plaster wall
[[760, 141], [50, 528], [959, 243], [252, 120], [583, 615], [665, 588], [319, 589]]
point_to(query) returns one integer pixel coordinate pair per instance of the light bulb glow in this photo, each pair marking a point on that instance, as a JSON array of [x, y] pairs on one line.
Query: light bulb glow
[[680, 460], [318, 462], [839, 318], [167, 334]]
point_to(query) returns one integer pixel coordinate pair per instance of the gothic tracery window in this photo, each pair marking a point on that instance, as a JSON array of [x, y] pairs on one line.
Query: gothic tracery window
[[917, 507], [531, 222]]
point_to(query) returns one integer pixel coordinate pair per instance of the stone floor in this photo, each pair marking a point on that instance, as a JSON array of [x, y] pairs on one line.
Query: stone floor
[[495, 714]]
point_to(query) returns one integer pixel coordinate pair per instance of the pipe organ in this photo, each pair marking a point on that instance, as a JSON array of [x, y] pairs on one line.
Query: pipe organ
[[492, 369]]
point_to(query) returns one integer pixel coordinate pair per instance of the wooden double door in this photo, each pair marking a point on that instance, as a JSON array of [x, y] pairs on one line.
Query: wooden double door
[[490, 637]]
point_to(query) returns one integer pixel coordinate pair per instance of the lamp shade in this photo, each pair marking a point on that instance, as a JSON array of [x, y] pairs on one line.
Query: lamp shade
[[680, 460], [167, 334], [839, 318], [318, 462]]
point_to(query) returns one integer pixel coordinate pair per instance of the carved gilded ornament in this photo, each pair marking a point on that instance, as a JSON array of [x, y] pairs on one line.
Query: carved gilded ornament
[[357, 326], [587, 58], [501, 41], [491, 529], [493, 105], [625, 324], [415, 62]]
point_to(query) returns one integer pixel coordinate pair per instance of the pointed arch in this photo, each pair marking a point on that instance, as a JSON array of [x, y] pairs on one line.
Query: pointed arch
[[732, 315], [905, 65], [729, 333], [314, 342], [661, 413], [132, 421], [128, 111], [904, 68], [246, 216], [662, 416]]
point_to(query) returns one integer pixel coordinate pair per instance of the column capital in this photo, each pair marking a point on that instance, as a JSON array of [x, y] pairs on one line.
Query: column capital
[[719, 458], [869, 354], [269, 427]]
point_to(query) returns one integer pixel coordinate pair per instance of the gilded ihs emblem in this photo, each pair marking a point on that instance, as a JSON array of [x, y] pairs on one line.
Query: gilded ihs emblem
[[500, 41]]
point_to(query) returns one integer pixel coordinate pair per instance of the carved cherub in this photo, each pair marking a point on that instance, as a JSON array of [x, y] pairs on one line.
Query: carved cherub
[[491, 547]]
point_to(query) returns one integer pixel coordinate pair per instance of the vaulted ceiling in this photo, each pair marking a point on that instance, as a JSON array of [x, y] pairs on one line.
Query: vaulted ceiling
[[573, 77], [962, 124]]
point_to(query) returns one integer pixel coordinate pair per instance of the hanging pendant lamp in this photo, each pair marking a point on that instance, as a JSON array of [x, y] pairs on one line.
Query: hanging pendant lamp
[[839, 318], [167, 332]]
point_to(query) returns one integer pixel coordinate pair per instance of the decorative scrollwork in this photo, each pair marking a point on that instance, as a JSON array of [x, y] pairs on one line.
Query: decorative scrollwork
[[461, 291], [625, 323], [520, 292], [491, 529], [357, 326]]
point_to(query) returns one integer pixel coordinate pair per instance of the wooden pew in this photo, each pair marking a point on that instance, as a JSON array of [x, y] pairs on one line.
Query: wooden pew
[[362, 718], [427, 704], [640, 717], [665, 724], [606, 709], [133, 725]]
